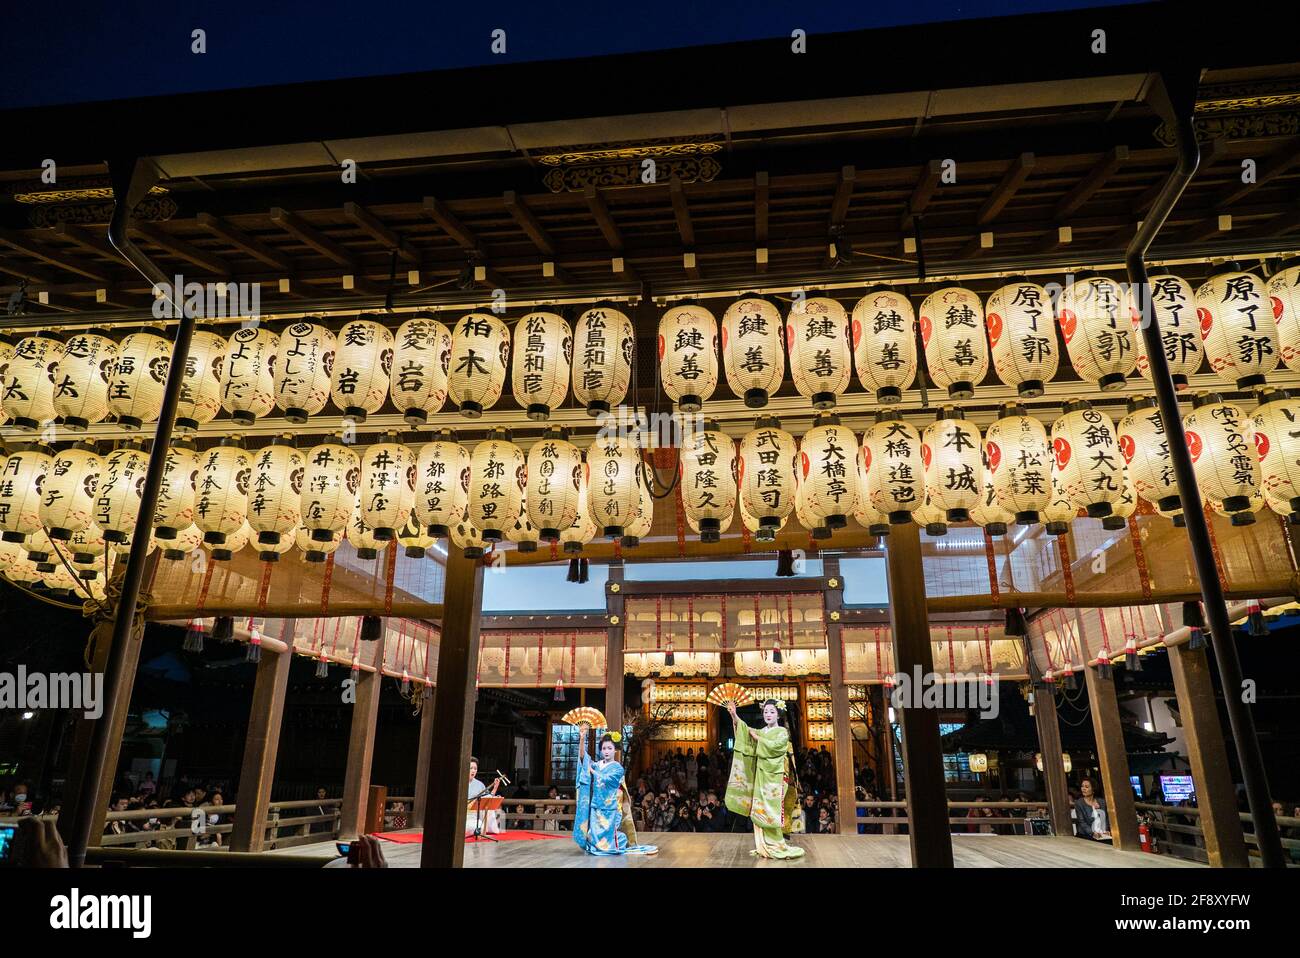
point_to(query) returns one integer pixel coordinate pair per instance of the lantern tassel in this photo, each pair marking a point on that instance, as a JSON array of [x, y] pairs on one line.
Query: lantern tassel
[[223, 628], [1256, 627], [1104, 670], [254, 651], [785, 563], [573, 571], [194, 636], [406, 684], [1016, 623], [322, 668], [777, 657], [669, 658], [372, 627], [559, 690], [582, 570], [1071, 681], [1132, 661]]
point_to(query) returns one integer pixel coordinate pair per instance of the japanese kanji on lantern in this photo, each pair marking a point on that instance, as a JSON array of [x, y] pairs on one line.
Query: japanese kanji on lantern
[[1060, 511], [1237, 326], [313, 550], [893, 467], [135, 386], [1221, 441], [358, 532], [523, 533], [760, 532], [866, 512], [952, 332], [554, 490], [1145, 448], [1125, 507], [884, 343], [497, 477], [932, 517], [88, 546], [363, 359], [117, 499], [616, 470], [387, 487], [248, 389], [989, 513], [28, 396], [1097, 326], [80, 377], [1171, 305], [584, 528], [480, 356], [414, 539], [304, 364], [421, 360], [951, 448], [221, 491], [1284, 296], [21, 487], [275, 493], [603, 342], [1277, 439], [708, 478], [767, 472], [175, 508], [441, 484], [821, 357], [330, 486], [186, 541], [688, 355], [1086, 459], [1018, 459], [752, 352], [6, 354], [543, 354], [1022, 336], [828, 472], [68, 495], [640, 527]]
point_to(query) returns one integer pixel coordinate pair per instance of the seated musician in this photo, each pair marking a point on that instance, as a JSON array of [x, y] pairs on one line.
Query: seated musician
[[490, 820]]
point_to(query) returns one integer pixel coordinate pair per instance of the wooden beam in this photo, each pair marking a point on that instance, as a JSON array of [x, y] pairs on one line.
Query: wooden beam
[[262, 744], [180, 249], [24, 243], [1112, 758], [1083, 191], [88, 241], [246, 243], [438, 212], [841, 709], [615, 610], [843, 196], [1003, 193], [528, 222], [373, 227], [682, 213], [33, 274], [311, 237], [761, 191], [1049, 747], [1282, 160], [361, 746], [922, 193], [600, 212], [422, 757]]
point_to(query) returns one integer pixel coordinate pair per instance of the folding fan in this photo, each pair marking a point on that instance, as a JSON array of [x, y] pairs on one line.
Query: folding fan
[[593, 717], [729, 692]]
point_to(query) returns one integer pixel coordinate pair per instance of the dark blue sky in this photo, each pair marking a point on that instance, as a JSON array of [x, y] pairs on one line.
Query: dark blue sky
[[77, 50]]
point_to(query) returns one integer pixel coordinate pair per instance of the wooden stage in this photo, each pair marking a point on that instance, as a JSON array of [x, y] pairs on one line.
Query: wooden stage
[[690, 850]]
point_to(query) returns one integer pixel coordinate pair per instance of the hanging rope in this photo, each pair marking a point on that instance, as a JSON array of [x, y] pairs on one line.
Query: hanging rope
[[104, 614], [1139, 556]]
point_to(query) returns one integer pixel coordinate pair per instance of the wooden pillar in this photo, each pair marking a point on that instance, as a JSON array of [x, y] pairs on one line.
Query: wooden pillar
[[841, 710], [1112, 759], [927, 799], [1216, 795], [614, 645], [262, 744], [422, 758], [445, 793], [1049, 746], [361, 746]]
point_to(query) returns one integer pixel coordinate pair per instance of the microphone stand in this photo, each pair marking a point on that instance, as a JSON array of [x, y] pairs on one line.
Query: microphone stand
[[479, 833]]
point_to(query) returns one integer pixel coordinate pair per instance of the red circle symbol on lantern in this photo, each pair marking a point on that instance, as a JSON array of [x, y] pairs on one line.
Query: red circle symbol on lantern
[[857, 332], [1061, 450], [1128, 447], [925, 454], [1207, 321], [1069, 323], [926, 327], [994, 323], [866, 458], [1261, 444], [803, 463], [662, 347], [1194, 445], [995, 455]]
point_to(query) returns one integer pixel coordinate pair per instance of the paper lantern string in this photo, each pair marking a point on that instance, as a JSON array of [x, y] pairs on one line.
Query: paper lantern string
[[1139, 556], [1214, 547], [390, 574], [1067, 571], [264, 587], [992, 563], [327, 582]]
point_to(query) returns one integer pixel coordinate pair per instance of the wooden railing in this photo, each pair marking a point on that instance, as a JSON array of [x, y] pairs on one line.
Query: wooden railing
[[1177, 831], [888, 816]]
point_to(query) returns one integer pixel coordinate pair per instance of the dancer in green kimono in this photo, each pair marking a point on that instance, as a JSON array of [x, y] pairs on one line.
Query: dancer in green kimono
[[762, 783]]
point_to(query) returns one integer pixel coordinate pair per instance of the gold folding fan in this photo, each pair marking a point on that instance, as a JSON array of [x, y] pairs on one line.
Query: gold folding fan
[[729, 692], [593, 717]]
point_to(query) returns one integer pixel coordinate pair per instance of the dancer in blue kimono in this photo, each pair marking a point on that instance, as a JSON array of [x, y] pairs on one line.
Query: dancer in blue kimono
[[599, 813]]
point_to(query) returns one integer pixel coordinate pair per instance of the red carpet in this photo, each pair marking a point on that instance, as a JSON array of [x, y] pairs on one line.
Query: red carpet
[[514, 835]]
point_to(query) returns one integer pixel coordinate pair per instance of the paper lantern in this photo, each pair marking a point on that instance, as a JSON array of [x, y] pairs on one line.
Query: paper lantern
[[893, 468], [708, 476], [414, 539], [821, 358], [330, 487], [814, 523], [39, 547], [387, 488], [1018, 456], [1060, 511], [1240, 517], [1281, 507], [603, 346], [117, 499], [523, 533], [421, 359], [696, 528], [469, 539], [497, 477], [175, 508], [80, 378], [951, 448], [828, 471], [1173, 307], [275, 492], [221, 491], [1237, 327], [766, 476], [554, 487], [88, 546], [1277, 439], [1097, 327], [1145, 448], [304, 365], [58, 580], [1086, 459], [1284, 297], [865, 511], [363, 359], [6, 354], [615, 471], [584, 528], [186, 541], [271, 552], [931, 517], [989, 514], [1022, 337], [543, 354], [314, 550], [68, 494], [480, 355], [1221, 441], [359, 533], [21, 487], [752, 352], [884, 343], [28, 396], [200, 396], [1124, 508], [441, 484], [135, 385], [640, 527], [952, 332], [234, 543], [248, 387], [688, 356]]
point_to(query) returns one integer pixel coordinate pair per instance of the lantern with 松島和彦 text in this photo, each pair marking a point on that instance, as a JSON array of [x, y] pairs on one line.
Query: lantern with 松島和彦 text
[[603, 343], [539, 372]]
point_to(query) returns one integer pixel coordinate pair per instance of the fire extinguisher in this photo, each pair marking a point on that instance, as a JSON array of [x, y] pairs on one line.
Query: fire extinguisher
[[1144, 837]]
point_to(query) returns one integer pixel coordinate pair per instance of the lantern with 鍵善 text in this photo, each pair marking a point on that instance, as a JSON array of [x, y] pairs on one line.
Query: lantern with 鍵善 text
[[884, 343], [688, 356]]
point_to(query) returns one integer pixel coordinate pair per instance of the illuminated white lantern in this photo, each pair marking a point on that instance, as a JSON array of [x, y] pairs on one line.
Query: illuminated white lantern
[[1284, 296], [123, 548], [694, 526], [708, 477], [952, 332], [884, 343], [1097, 326], [760, 532], [234, 543], [1281, 507], [88, 547], [1018, 457], [827, 470], [480, 356], [1060, 511], [248, 389], [752, 352], [542, 357], [135, 386], [359, 534], [183, 546], [313, 550], [523, 533], [221, 491], [441, 484], [1237, 327], [329, 490], [1086, 459], [6, 354], [80, 377], [767, 473], [988, 513], [866, 512], [21, 486], [931, 517], [1277, 439], [68, 494], [1124, 508], [39, 547], [554, 488], [414, 539], [387, 488], [58, 580], [951, 448], [640, 527], [1242, 517], [814, 523], [1173, 307], [268, 552], [421, 359], [817, 339], [688, 356], [1022, 336], [175, 508], [1145, 448], [584, 528], [117, 499], [466, 537], [275, 492], [603, 344], [893, 468], [1221, 441], [200, 396], [615, 472], [28, 394], [363, 359], [497, 477], [304, 364]]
